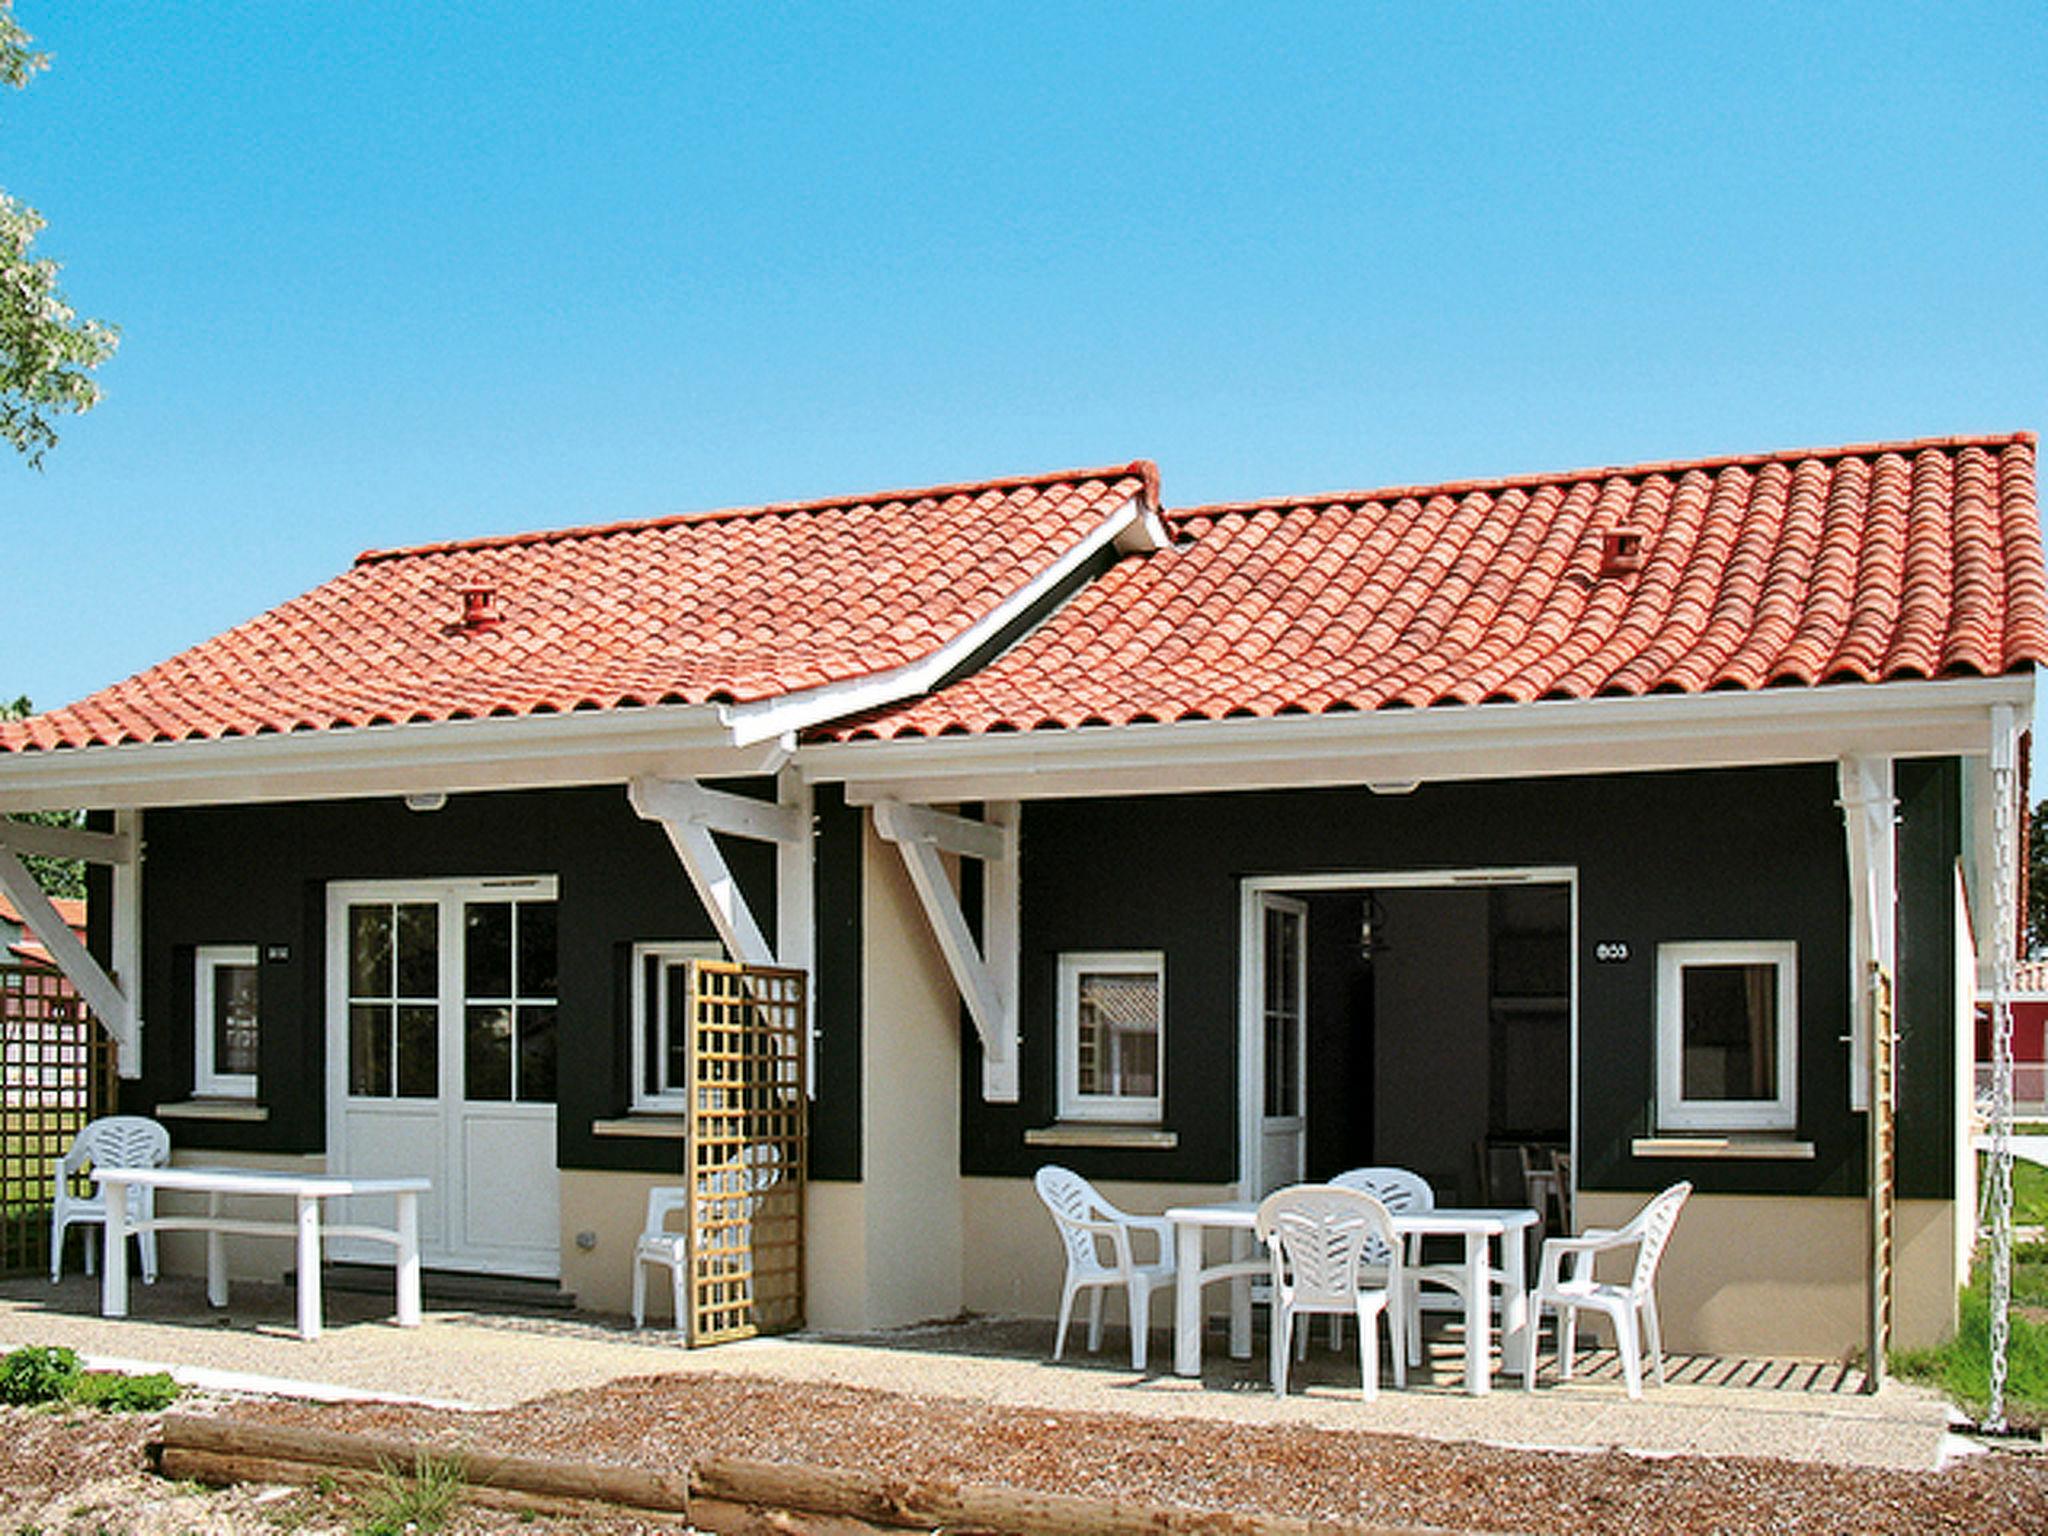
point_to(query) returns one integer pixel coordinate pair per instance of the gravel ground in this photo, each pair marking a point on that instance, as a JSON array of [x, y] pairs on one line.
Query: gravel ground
[[668, 1421], [85, 1474]]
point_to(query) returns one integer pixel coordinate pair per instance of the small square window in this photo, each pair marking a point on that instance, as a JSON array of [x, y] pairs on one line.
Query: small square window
[[1727, 1036], [1112, 1025], [661, 1022], [226, 1021]]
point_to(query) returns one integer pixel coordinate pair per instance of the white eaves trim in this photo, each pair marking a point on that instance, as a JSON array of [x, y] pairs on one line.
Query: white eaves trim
[[1487, 741], [514, 752], [1132, 527]]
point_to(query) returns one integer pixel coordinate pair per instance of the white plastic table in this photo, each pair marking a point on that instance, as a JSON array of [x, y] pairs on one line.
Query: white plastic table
[[1479, 1228], [305, 1190]]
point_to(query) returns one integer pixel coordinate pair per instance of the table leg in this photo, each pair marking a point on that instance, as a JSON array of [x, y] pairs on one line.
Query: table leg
[[309, 1267], [409, 1259], [1515, 1339], [114, 1271], [1478, 1316], [216, 1254], [1240, 1298], [1187, 1300]]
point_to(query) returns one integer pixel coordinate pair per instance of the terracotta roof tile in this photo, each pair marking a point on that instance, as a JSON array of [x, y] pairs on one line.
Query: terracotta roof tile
[[1870, 563], [724, 606]]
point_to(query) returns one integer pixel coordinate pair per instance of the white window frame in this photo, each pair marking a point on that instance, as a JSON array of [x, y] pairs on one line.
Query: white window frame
[[1074, 1104], [1678, 1113], [206, 1081], [669, 952]]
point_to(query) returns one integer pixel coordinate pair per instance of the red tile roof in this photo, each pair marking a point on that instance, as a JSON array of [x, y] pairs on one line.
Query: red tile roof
[[1865, 564], [724, 606]]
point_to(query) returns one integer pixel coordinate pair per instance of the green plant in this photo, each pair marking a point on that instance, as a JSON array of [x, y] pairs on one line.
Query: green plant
[[1962, 1366], [419, 1501], [123, 1394], [37, 1374]]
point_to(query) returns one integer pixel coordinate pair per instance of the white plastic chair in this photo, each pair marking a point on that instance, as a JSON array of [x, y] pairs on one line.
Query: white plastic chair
[[1326, 1244], [116, 1141], [1399, 1190], [658, 1246], [1632, 1308], [1086, 1222]]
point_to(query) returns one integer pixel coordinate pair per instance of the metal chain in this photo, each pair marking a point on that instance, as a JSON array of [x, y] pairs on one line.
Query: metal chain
[[2005, 893]]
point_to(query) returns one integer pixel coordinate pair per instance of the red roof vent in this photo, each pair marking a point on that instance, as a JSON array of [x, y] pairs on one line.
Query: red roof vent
[[1621, 552], [479, 609]]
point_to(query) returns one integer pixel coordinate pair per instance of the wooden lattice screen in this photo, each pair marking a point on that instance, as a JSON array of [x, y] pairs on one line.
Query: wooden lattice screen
[[749, 1114], [56, 1073], [1883, 1177]]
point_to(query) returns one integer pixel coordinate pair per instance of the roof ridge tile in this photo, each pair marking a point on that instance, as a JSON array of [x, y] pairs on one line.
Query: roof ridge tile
[[1144, 470]]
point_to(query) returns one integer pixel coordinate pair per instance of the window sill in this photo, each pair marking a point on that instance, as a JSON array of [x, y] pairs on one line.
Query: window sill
[[1707, 1144], [215, 1109], [645, 1127], [1073, 1133]]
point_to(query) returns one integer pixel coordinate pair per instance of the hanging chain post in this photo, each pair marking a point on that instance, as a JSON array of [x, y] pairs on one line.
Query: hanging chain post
[[2005, 821]]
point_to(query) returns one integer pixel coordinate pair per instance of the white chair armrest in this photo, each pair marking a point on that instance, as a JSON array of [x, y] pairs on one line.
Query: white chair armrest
[[1160, 1228], [1582, 1250]]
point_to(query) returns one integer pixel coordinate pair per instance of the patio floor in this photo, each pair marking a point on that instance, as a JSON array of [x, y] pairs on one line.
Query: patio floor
[[1713, 1405]]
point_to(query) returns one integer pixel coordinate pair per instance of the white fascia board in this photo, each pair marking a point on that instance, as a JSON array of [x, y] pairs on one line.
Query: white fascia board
[[454, 756], [1132, 526], [1490, 741]]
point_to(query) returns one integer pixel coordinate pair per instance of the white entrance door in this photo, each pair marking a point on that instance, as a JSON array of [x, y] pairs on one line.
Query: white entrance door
[[1281, 991], [441, 1060]]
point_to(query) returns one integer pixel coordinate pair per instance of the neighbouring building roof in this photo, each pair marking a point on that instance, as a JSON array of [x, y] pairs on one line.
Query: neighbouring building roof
[[70, 908], [1863, 564], [718, 607]]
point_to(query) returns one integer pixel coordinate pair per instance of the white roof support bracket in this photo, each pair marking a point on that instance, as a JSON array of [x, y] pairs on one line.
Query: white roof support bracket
[[985, 973], [690, 814], [1870, 818], [102, 994]]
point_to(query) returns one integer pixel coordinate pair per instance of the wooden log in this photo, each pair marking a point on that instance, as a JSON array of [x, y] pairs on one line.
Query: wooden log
[[635, 1488], [968, 1508], [731, 1496], [721, 1517]]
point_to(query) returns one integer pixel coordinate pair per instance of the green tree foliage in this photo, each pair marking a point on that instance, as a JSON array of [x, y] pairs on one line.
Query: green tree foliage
[[57, 877], [47, 353]]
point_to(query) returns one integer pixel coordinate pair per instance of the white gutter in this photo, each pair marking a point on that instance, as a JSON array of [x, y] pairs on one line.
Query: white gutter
[[1132, 527], [1397, 748], [515, 752]]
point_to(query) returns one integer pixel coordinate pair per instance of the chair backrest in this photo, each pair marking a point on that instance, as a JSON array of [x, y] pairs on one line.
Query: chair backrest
[[1398, 1189], [120, 1141], [1072, 1200], [1651, 1228], [662, 1202], [1322, 1237]]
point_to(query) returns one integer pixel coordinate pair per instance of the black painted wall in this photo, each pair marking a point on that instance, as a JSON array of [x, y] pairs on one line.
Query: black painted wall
[[1726, 854], [258, 874]]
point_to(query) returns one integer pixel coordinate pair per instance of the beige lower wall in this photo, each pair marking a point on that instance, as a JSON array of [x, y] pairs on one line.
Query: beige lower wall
[[249, 1258], [1013, 1260], [1784, 1275], [907, 1266]]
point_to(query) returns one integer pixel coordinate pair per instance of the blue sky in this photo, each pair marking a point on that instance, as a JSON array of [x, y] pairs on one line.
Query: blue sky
[[390, 273]]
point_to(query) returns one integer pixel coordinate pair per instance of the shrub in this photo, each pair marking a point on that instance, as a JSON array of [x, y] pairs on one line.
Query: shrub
[[124, 1394], [37, 1374]]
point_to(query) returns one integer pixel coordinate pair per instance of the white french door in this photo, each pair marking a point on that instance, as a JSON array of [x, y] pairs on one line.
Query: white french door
[[1280, 991], [441, 1060]]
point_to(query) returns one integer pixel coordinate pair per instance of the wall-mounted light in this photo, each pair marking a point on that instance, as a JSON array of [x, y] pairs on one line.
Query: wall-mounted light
[[1372, 928], [426, 800]]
